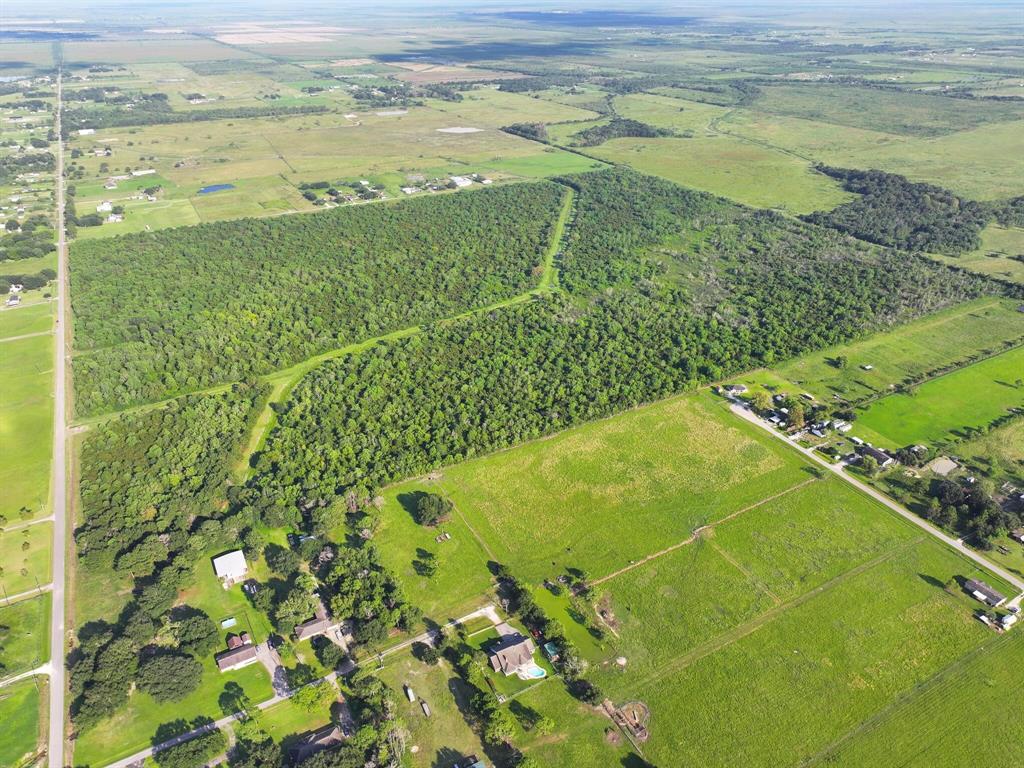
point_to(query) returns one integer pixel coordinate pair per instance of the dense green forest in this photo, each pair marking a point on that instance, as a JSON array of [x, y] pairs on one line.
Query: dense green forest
[[618, 128], [901, 214], [734, 289], [161, 313], [147, 475]]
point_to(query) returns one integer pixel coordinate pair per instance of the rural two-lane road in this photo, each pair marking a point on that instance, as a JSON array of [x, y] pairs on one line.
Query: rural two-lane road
[[880, 497], [58, 482]]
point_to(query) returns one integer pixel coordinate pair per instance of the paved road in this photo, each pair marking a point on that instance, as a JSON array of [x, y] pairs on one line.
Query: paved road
[[139, 758], [899, 509], [35, 592], [58, 484], [42, 669]]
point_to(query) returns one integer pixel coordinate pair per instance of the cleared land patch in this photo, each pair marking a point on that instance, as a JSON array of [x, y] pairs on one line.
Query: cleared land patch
[[606, 493], [25, 639], [19, 712]]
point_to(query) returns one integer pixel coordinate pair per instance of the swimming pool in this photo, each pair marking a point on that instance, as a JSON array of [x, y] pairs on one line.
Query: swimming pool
[[531, 672], [215, 188]]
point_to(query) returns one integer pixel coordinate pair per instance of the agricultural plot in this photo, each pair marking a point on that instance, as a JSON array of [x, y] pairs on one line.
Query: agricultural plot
[[20, 706], [24, 635], [488, 107], [949, 406], [604, 494], [950, 337], [739, 170]]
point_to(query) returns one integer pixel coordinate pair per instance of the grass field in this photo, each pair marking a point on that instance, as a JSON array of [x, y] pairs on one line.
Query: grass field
[[462, 581], [35, 319], [905, 733], [287, 719], [26, 420], [600, 495], [739, 170], [19, 712], [948, 406], [933, 342], [26, 642], [133, 727], [25, 555], [446, 736], [999, 256], [998, 454]]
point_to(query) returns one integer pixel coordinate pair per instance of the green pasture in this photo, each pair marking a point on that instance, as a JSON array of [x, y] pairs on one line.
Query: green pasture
[[723, 165], [1000, 254], [603, 494], [157, 48], [35, 319], [25, 556], [462, 581], [976, 687], [671, 113], [948, 406], [787, 688], [997, 454], [446, 736], [899, 112], [26, 422], [489, 107], [25, 644], [20, 706], [133, 727], [983, 163], [944, 338]]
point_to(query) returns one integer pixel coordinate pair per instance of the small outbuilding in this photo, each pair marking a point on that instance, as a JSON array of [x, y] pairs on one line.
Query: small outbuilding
[[230, 567]]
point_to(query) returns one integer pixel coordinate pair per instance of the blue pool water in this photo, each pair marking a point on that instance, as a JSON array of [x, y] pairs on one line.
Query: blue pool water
[[215, 188]]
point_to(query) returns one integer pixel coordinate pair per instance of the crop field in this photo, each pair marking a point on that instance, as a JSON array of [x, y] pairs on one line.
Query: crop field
[[948, 406], [158, 48], [905, 733], [945, 338], [601, 495], [19, 712], [26, 418], [739, 170], [25, 644]]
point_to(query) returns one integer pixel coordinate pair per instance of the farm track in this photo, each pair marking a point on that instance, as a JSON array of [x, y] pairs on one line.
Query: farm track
[[743, 630], [697, 533]]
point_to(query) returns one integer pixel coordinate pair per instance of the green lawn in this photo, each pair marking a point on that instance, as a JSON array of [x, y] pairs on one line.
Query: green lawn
[[26, 424], [945, 338], [34, 319], [25, 567], [288, 719], [603, 494], [999, 255], [25, 644], [462, 581], [19, 713], [134, 726], [947, 406], [446, 735]]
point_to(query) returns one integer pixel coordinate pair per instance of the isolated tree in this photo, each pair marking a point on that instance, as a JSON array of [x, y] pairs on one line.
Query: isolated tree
[[316, 696], [500, 728], [869, 465], [196, 634], [170, 676], [760, 400], [432, 509]]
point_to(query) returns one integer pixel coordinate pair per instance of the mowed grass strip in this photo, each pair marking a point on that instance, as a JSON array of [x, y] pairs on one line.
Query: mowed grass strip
[[26, 425], [781, 693], [26, 642], [19, 713], [603, 494], [34, 319], [947, 406], [25, 558]]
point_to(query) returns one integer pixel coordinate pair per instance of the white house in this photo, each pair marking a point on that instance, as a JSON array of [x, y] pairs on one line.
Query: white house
[[105, 207], [86, 131], [230, 567]]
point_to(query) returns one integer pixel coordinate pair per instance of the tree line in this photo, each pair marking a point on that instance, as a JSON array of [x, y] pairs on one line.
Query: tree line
[[156, 113]]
